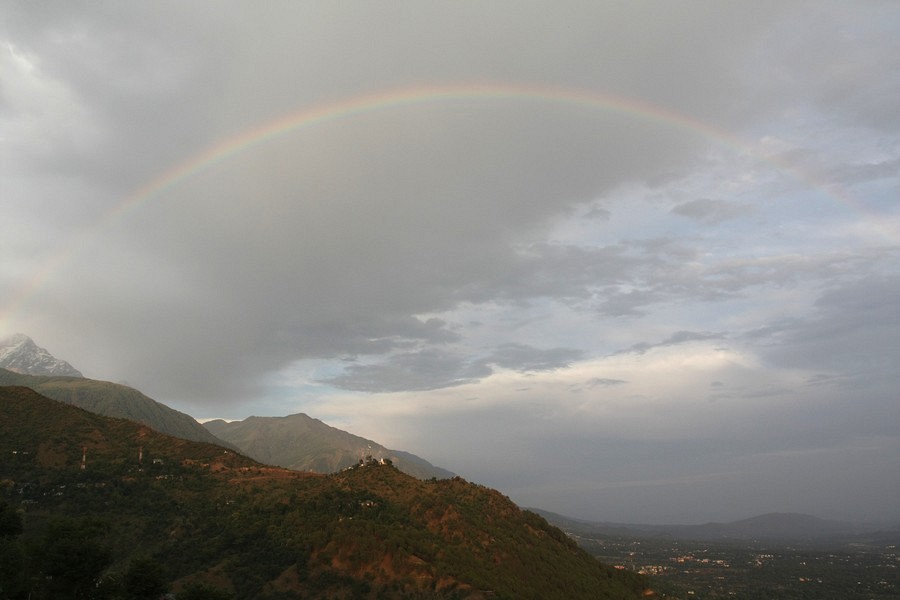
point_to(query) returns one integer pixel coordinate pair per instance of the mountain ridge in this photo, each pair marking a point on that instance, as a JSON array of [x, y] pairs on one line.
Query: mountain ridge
[[206, 515], [19, 353], [114, 400], [304, 443], [297, 442], [773, 526]]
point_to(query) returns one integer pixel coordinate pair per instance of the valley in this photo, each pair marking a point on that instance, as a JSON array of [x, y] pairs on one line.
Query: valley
[[703, 570], [776, 556]]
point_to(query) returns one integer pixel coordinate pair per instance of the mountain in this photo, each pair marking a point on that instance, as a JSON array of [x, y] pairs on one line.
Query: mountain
[[783, 527], [302, 443], [19, 353], [792, 526], [93, 503], [295, 442], [114, 400]]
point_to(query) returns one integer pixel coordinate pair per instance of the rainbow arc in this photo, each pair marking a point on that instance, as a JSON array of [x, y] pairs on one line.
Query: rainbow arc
[[232, 147]]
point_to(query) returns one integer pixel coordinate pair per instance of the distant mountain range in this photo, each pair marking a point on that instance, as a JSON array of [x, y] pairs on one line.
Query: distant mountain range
[[782, 527], [19, 353], [302, 443]]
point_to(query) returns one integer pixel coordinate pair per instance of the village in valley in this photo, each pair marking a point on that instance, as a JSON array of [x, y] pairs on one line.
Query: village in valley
[[703, 570]]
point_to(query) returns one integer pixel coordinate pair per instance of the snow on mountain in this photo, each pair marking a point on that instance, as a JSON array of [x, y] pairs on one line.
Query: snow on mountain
[[20, 354]]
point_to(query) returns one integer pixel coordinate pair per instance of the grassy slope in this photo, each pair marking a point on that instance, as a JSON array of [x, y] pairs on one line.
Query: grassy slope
[[305, 444], [113, 400]]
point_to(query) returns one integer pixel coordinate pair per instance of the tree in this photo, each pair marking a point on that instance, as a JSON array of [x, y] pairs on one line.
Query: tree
[[200, 591], [144, 580], [73, 559], [12, 557], [10, 521]]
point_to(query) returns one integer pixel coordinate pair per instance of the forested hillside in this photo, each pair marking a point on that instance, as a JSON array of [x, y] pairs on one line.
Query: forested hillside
[[108, 508]]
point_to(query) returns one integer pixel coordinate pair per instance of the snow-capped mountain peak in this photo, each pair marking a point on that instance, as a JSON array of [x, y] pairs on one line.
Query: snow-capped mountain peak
[[20, 354]]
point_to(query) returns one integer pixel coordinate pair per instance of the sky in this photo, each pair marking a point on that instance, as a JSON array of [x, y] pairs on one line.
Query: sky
[[624, 261]]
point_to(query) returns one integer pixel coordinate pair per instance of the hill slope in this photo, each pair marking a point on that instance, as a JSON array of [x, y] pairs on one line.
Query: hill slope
[[114, 400], [302, 443], [203, 513]]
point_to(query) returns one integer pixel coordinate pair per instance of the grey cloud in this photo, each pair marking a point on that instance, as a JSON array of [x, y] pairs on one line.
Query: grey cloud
[[679, 337], [711, 211], [413, 371], [169, 78], [639, 275], [355, 337], [597, 212], [431, 368], [772, 330], [146, 76], [847, 341], [758, 392], [565, 271], [617, 303], [857, 173], [357, 295], [850, 331], [836, 62], [329, 240], [732, 277], [522, 357], [604, 382]]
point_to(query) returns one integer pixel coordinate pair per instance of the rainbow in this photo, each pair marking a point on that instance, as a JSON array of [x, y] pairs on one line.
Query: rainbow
[[391, 100]]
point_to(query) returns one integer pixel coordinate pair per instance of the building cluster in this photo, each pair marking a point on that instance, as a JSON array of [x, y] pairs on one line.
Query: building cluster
[[370, 461]]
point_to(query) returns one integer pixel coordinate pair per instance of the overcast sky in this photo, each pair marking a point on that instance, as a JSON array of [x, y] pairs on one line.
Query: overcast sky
[[623, 261]]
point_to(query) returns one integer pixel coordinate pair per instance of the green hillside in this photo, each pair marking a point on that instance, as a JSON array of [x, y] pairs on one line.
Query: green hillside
[[113, 400], [302, 443], [151, 512]]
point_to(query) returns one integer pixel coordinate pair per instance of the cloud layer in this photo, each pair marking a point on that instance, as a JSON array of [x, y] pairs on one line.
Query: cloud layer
[[664, 276]]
